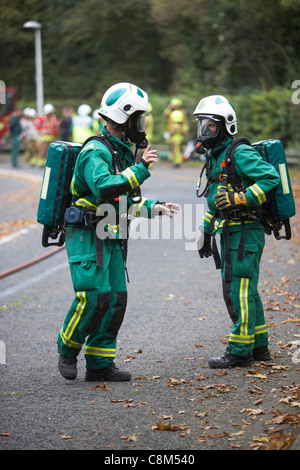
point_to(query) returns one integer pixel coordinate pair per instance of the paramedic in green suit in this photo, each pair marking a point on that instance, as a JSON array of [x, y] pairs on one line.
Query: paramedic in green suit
[[103, 185], [217, 124]]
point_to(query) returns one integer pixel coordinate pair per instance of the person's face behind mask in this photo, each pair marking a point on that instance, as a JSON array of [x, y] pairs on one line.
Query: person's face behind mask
[[135, 130], [207, 127]]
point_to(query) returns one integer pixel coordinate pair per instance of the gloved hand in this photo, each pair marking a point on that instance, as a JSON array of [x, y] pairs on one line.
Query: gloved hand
[[204, 245], [230, 198]]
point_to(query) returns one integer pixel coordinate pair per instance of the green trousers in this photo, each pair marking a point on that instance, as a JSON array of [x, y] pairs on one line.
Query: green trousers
[[98, 309], [15, 149], [249, 329]]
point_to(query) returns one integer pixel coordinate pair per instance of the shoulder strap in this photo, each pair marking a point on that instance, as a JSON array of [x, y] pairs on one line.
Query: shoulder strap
[[231, 172], [105, 140]]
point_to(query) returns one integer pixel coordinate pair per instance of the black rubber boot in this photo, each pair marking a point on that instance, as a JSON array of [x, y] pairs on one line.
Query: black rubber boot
[[111, 374], [261, 354], [229, 360], [67, 366]]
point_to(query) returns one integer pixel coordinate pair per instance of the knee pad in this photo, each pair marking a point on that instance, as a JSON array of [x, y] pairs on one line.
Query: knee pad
[[103, 301], [119, 313]]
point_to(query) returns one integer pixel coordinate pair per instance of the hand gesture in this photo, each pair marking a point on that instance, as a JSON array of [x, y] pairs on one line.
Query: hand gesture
[[167, 208], [149, 155]]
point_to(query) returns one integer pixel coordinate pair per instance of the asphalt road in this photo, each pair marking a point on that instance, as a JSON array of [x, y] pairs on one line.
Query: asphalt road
[[175, 321]]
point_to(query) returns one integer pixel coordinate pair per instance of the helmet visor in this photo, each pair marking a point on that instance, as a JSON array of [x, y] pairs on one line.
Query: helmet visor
[[135, 130], [207, 126], [140, 123]]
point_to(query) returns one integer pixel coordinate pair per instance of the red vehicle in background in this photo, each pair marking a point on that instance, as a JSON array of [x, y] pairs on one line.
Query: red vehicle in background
[[6, 109]]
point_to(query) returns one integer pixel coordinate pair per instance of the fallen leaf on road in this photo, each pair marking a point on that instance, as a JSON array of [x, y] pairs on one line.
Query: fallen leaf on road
[[102, 387], [130, 437], [252, 411]]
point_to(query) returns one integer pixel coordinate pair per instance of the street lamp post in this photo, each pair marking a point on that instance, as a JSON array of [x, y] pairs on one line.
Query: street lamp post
[[38, 63]]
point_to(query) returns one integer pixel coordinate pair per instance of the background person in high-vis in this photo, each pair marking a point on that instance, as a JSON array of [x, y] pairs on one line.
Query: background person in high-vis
[[48, 126], [217, 124], [177, 125], [97, 265], [82, 127]]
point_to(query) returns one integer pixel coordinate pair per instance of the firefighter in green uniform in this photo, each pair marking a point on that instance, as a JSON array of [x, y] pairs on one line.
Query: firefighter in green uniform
[[235, 215], [106, 179]]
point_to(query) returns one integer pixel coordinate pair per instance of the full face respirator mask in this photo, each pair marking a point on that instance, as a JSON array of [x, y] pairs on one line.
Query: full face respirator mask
[[210, 131], [135, 130]]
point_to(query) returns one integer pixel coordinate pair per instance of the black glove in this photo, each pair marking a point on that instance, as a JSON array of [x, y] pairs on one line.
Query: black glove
[[204, 249]]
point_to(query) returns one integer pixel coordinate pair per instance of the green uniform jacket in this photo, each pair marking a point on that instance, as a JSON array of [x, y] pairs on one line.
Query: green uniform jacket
[[258, 177], [95, 182]]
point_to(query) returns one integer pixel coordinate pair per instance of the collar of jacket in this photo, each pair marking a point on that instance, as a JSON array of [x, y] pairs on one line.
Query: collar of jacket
[[117, 143], [222, 146]]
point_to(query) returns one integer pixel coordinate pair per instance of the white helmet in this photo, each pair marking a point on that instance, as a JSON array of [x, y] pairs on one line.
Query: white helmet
[[96, 114], [48, 108], [84, 110], [122, 100], [26, 112], [217, 106], [32, 113]]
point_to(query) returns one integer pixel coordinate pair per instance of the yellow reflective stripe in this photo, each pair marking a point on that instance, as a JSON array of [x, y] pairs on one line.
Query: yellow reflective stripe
[[72, 187], [103, 352], [238, 223], [85, 203], [258, 193], [241, 339], [77, 315], [135, 208], [244, 305], [113, 228], [68, 342], [208, 217], [131, 178], [219, 224], [260, 329]]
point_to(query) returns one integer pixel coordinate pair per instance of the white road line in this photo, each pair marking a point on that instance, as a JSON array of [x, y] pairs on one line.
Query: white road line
[[32, 280], [13, 236]]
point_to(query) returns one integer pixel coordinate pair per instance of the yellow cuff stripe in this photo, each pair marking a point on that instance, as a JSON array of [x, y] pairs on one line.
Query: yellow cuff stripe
[[131, 178], [258, 193], [103, 352]]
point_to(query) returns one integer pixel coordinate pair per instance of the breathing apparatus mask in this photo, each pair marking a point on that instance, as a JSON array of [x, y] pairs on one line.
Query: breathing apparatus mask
[[135, 130], [210, 131]]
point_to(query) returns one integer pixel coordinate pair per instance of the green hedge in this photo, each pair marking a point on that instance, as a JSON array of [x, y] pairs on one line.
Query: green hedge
[[261, 114]]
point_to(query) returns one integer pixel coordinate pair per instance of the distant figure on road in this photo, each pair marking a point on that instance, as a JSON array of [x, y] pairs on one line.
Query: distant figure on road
[[82, 126], [30, 135], [233, 213], [15, 129], [65, 124], [48, 126]]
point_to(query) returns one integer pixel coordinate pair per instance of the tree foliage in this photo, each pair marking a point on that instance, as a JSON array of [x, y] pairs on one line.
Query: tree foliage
[[246, 50], [166, 46]]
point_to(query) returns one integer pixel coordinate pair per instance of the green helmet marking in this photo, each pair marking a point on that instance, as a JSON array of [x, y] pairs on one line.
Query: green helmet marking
[[114, 96]]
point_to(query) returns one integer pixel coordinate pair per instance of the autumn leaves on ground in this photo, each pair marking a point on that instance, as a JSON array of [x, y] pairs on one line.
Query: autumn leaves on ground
[[219, 405]]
